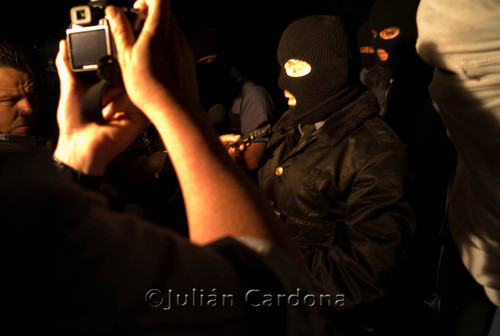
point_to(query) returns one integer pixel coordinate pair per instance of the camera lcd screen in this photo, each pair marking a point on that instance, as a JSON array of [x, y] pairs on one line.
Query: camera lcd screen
[[87, 47]]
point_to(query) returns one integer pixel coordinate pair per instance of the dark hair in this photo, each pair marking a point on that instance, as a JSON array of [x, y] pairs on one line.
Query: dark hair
[[25, 56], [17, 56]]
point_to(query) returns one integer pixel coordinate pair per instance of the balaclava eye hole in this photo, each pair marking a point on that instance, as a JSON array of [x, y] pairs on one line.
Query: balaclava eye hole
[[390, 33], [297, 68]]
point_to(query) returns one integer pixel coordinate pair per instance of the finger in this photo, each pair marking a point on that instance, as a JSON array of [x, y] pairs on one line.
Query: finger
[[158, 14], [112, 93], [232, 153], [230, 137], [62, 62], [121, 107], [109, 113], [141, 5], [121, 30], [62, 55]]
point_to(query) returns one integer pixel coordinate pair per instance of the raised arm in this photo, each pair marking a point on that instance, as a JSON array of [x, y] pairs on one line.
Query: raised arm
[[159, 77]]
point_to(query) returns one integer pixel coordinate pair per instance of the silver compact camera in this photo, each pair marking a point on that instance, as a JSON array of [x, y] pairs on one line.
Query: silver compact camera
[[89, 37]]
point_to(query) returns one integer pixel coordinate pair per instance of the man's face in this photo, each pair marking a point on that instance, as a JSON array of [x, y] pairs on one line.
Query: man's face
[[18, 102]]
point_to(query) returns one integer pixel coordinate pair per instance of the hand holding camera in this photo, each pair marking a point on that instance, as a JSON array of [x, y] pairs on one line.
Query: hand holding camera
[[86, 146], [158, 66], [89, 38], [90, 139], [158, 74], [92, 51]]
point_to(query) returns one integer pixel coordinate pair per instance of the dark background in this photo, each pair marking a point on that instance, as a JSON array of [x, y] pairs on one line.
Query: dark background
[[249, 31]]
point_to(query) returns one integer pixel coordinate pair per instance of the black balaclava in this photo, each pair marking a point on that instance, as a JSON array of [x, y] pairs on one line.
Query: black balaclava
[[214, 83], [323, 42], [365, 39], [395, 13]]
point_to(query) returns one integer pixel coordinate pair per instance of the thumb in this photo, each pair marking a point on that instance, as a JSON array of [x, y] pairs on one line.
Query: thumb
[[121, 30], [62, 63]]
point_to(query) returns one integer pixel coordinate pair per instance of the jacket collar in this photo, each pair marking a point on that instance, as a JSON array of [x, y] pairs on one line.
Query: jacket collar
[[341, 123], [12, 142], [336, 127]]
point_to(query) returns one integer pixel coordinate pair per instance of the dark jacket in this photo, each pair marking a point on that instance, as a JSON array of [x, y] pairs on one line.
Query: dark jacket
[[15, 143], [341, 192], [100, 272]]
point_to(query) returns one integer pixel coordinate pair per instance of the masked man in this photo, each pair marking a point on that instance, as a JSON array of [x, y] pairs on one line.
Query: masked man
[[335, 173]]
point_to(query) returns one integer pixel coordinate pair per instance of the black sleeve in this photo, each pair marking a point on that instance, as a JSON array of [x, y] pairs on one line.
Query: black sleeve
[[72, 266]]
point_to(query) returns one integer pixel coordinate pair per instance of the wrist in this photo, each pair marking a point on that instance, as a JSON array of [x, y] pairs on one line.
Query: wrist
[[68, 152]]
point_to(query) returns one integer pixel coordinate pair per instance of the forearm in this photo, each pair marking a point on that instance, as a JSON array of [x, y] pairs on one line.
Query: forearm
[[253, 154], [220, 198]]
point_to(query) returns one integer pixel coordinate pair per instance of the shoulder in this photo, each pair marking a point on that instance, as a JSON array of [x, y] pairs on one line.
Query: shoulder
[[374, 140], [379, 132], [250, 90]]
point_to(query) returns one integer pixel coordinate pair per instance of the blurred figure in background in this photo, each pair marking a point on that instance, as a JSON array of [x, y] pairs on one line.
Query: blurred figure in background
[[366, 51], [235, 104], [400, 81], [461, 40]]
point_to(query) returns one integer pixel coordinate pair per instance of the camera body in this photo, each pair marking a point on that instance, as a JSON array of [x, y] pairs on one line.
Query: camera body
[[89, 37], [88, 45]]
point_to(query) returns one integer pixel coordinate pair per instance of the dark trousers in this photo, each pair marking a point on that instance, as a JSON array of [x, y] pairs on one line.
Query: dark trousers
[[464, 308]]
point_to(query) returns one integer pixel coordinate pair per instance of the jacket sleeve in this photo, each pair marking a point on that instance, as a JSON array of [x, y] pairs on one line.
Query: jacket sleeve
[[89, 270], [378, 224]]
